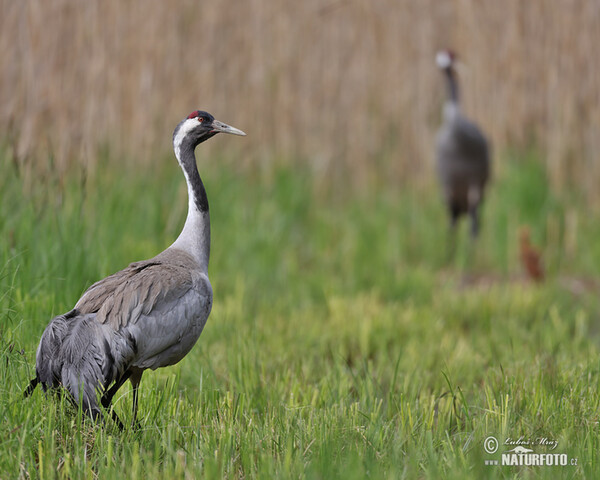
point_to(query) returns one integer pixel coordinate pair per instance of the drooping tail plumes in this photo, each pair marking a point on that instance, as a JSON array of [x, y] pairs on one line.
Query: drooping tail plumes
[[48, 360], [81, 355]]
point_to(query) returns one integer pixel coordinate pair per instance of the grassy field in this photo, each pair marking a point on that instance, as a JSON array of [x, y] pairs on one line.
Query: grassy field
[[342, 344]]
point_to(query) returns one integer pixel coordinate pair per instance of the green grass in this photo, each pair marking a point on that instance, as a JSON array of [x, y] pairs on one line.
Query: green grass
[[342, 342]]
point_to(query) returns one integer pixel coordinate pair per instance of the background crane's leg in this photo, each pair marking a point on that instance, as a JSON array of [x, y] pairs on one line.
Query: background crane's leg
[[472, 251], [474, 200], [474, 214], [454, 215], [135, 382]]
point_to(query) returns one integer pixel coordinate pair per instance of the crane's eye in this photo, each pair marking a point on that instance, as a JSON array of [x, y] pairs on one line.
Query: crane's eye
[[200, 119]]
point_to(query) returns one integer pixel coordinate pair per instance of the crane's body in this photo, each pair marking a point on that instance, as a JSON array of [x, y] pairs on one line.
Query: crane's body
[[148, 315], [462, 155]]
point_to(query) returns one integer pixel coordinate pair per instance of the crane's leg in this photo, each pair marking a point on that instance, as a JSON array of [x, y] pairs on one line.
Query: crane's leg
[[135, 382], [454, 216], [474, 200], [474, 214], [110, 393], [31, 387]]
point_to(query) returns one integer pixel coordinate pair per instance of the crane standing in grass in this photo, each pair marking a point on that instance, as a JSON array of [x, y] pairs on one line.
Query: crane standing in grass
[[462, 154], [148, 315]]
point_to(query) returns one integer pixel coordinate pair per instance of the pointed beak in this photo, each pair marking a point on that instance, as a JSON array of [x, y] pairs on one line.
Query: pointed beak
[[224, 128]]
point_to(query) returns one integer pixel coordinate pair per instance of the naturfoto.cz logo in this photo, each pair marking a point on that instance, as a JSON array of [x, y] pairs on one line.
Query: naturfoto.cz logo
[[521, 455]]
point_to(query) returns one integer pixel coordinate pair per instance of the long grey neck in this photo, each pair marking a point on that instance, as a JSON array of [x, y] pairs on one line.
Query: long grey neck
[[195, 236], [452, 85], [451, 106]]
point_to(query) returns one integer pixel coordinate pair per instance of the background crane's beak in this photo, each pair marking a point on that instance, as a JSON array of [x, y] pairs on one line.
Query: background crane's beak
[[223, 127]]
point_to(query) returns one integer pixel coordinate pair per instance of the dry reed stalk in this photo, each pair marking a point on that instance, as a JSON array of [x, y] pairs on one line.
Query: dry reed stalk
[[336, 84]]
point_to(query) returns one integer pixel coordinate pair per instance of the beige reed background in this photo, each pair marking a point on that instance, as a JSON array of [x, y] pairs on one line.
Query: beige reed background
[[345, 86]]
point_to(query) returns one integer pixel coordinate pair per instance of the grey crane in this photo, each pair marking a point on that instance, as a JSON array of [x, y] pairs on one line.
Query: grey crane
[[463, 158], [148, 315]]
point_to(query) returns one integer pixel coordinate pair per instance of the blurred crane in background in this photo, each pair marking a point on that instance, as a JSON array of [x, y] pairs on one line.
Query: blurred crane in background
[[462, 153]]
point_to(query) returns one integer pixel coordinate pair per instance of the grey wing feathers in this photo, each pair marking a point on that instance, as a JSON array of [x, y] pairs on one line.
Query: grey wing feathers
[[123, 297], [94, 297], [82, 356], [161, 342], [93, 356]]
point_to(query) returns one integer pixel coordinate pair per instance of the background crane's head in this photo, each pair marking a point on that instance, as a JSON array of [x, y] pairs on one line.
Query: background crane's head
[[445, 59], [198, 127]]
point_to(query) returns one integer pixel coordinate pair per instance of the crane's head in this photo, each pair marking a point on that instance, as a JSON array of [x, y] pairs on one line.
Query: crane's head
[[445, 59], [198, 127]]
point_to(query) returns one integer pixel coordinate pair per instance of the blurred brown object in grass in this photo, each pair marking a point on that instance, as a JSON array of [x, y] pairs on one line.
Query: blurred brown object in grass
[[531, 258]]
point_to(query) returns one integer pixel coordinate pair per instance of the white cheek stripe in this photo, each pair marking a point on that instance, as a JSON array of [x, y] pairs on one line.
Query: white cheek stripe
[[185, 128]]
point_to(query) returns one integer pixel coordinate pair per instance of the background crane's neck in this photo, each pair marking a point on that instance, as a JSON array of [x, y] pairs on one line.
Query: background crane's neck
[[452, 85], [195, 236], [451, 108]]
